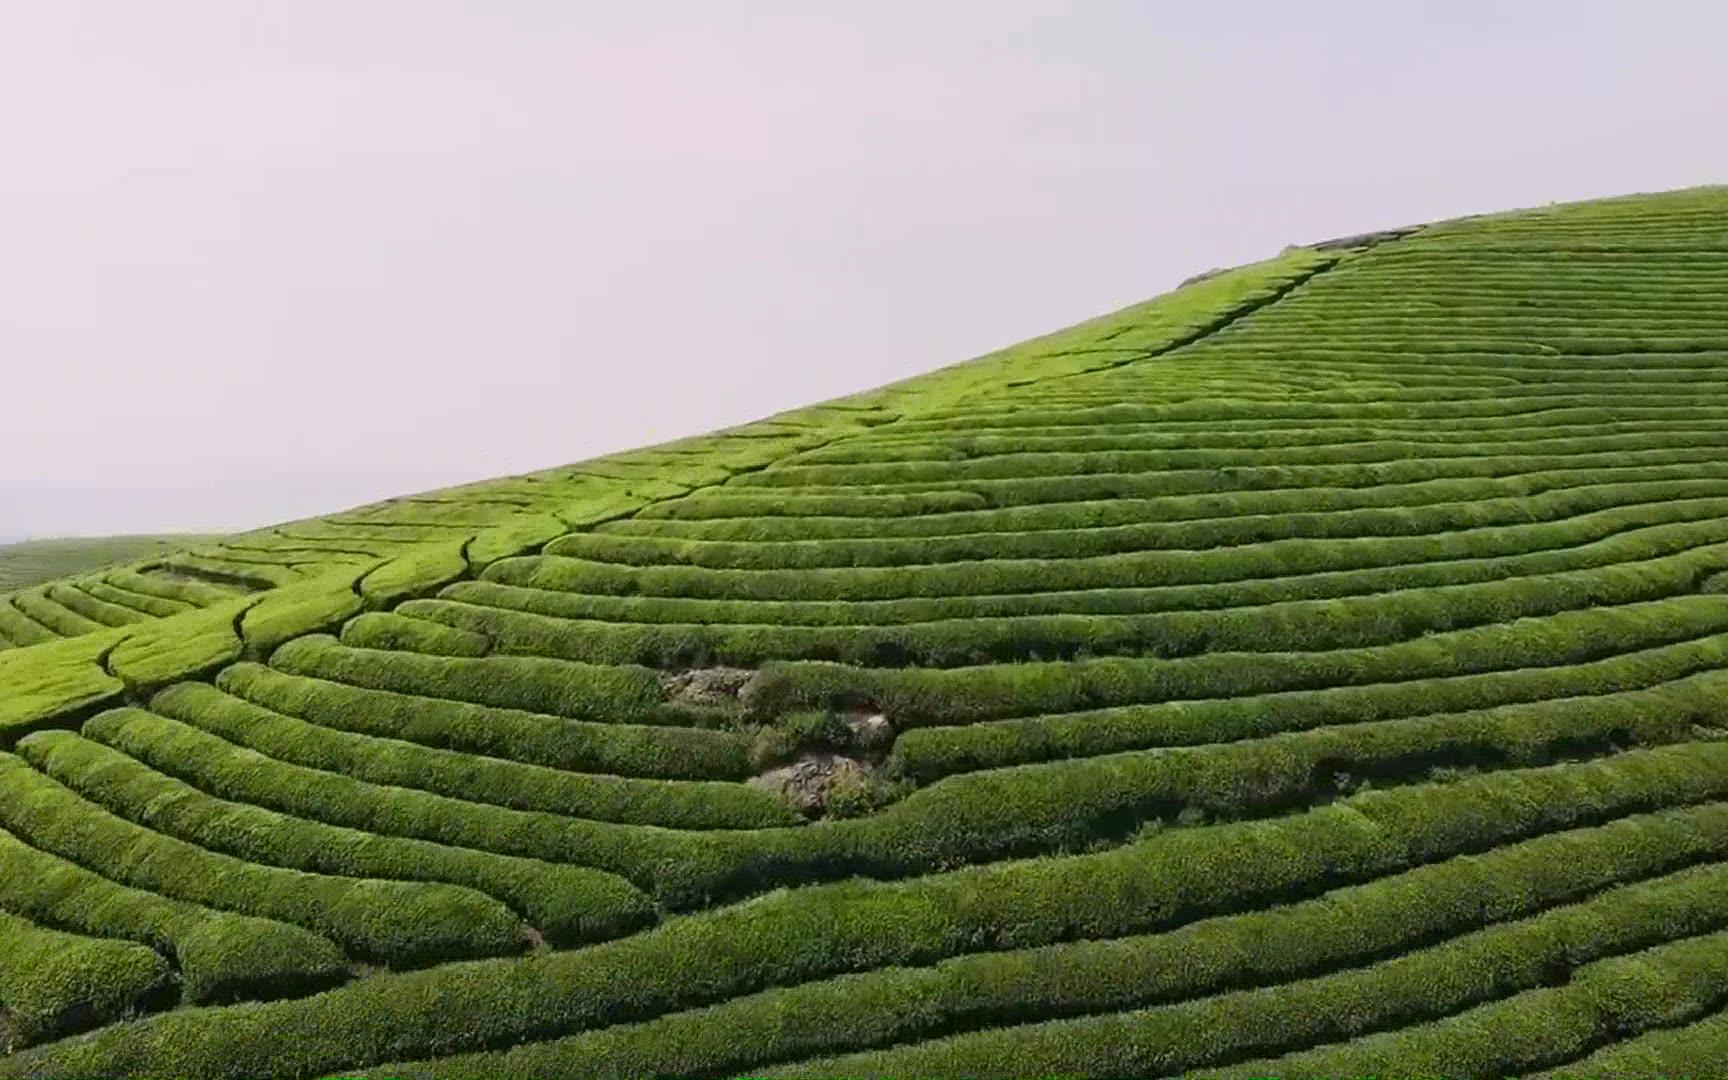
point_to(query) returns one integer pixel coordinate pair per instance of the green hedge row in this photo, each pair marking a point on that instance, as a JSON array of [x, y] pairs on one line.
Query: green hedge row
[[1352, 925], [220, 956], [1657, 464], [1198, 549], [1044, 463], [984, 815], [180, 590], [55, 616], [21, 628], [850, 505], [922, 697], [389, 630], [976, 420], [657, 859], [888, 445], [577, 691], [1066, 805], [154, 606], [881, 447], [393, 921], [566, 904], [1583, 941], [1308, 625], [1200, 481], [1214, 516], [244, 576], [1696, 1049], [995, 576], [647, 750], [799, 504], [929, 753], [53, 983], [799, 935], [680, 804], [97, 611], [1194, 427], [1613, 998]]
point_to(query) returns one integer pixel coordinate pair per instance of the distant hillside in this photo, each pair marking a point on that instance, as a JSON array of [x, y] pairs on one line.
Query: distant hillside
[[1318, 671], [30, 562]]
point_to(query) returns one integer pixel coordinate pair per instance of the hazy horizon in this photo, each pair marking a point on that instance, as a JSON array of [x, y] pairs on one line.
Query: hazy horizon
[[271, 260]]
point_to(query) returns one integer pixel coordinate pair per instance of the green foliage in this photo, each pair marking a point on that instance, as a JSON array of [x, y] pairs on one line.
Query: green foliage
[[566, 904], [176, 590], [144, 603], [1351, 622], [79, 600], [798, 935], [690, 804], [53, 983], [398, 922], [897, 1004], [915, 697], [388, 630], [932, 752], [659, 751], [1319, 670], [219, 955], [1675, 979], [577, 691]]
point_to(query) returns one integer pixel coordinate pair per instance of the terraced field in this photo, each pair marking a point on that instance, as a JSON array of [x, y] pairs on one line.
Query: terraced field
[[1319, 671]]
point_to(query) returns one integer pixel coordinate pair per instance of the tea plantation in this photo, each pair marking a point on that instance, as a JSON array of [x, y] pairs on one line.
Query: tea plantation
[[1321, 670]]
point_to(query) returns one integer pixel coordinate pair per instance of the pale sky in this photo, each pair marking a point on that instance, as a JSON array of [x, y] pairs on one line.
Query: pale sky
[[264, 259]]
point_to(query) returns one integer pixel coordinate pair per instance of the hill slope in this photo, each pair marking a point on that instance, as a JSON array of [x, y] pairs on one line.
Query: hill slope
[[29, 562], [1321, 670]]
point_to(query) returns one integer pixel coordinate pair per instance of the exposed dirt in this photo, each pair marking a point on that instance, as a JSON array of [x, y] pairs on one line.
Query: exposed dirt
[[868, 732], [706, 687], [805, 783]]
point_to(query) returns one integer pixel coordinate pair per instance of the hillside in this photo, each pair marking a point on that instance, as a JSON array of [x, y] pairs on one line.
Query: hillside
[[30, 562], [1318, 670]]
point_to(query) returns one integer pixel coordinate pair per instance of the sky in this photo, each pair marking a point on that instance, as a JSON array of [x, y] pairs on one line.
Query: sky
[[271, 259]]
